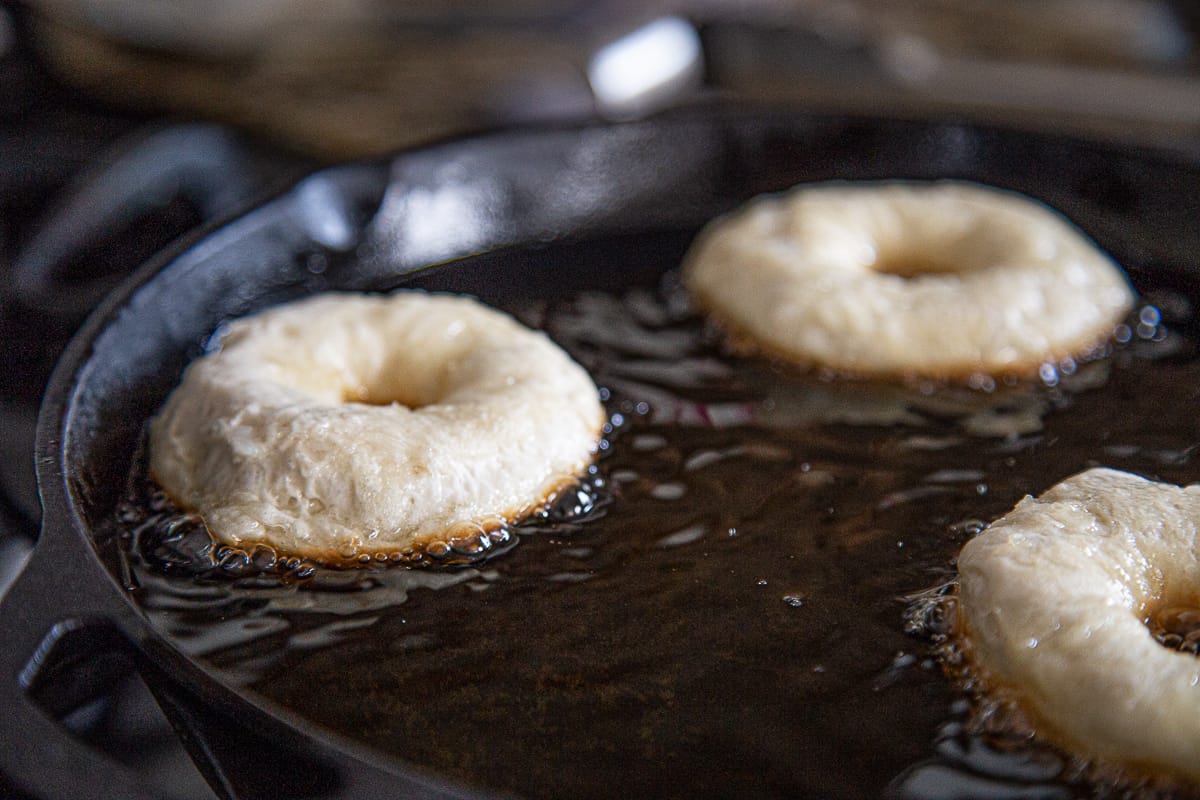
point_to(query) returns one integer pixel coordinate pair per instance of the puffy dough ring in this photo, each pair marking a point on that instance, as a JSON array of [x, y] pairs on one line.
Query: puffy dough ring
[[940, 279], [350, 425], [1053, 598]]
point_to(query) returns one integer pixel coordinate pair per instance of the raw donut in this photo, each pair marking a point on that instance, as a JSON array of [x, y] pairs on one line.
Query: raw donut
[[940, 279], [351, 425], [1053, 599]]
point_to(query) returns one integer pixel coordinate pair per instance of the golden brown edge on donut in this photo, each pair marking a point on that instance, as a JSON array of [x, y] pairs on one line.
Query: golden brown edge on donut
[[418, 552], [744, 344], [1002, 707]]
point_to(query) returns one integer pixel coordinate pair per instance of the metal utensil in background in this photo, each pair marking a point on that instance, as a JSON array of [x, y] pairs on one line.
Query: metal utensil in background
[[350, 78], [1124, 70]]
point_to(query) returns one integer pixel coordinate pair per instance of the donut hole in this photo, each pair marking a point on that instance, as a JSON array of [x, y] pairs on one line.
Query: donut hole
[[1176, 626], [369, 395], [393, 384], [958, 250], [910, 264]]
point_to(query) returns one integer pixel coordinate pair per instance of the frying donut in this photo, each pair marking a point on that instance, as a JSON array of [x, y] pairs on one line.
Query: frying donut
[[942, 279], [1054, 600], [346, 426]]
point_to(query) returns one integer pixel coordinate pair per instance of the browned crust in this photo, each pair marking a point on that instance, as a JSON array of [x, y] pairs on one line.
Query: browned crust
[[425, 550], [432, 548], [742, 342], [1003, 707]]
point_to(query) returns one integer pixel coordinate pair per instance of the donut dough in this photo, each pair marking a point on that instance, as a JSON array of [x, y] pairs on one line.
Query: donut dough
[[944, 279], [1053, 599], [345, 426]]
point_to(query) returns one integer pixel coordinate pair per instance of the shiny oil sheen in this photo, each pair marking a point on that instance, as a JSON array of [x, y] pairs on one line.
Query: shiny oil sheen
[[740, 601]]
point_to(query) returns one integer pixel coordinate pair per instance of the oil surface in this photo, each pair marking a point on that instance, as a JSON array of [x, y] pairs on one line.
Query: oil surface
[[736, 602]]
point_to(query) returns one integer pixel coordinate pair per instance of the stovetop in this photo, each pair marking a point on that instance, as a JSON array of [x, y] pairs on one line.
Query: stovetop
[[63, 243]]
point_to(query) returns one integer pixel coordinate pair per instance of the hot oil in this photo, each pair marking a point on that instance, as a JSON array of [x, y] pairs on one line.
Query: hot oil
[[743, 600]]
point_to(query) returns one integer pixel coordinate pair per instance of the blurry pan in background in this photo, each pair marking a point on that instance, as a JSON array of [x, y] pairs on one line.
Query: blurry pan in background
[[348, 78]]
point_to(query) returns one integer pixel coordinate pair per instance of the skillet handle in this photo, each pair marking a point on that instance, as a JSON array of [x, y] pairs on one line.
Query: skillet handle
[[57, 604], [203, 163]]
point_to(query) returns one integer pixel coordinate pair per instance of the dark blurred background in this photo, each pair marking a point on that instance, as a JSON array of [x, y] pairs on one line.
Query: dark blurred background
[[342, 78]]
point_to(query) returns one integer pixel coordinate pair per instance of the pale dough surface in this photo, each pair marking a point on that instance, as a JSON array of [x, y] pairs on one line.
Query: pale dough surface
[[345, 425], [1053, 597], [940, 279]]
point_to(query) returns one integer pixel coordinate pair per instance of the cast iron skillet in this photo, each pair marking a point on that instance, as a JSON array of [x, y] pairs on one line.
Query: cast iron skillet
[[468, 216]]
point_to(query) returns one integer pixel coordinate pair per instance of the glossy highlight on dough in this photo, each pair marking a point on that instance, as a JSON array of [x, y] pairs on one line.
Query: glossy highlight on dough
[[1053, 603], [945, 279], [347, 426]]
